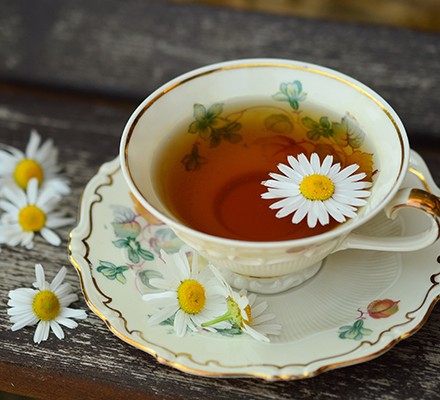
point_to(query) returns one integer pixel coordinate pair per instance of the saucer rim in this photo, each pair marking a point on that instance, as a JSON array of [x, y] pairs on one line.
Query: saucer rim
[[107, 171]]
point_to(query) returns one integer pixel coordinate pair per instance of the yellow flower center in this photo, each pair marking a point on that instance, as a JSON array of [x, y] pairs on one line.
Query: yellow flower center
[[31, 218], [27, 169], [317, 187], [192, 296], [235, 314], [46, 305]]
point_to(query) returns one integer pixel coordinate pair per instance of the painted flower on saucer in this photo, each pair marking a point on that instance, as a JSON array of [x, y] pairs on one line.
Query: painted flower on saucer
[[189, 295], [40, 161], [27, 213], [47, 305], [318, 191]]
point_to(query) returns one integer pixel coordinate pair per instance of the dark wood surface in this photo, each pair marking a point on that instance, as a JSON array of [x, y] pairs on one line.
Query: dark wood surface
[[75, 70]]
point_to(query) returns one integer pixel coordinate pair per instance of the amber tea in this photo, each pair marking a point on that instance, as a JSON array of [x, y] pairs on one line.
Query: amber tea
[[209, 175]]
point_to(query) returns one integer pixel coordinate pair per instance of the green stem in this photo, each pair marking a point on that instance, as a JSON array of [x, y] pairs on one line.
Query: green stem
[[224, 317]]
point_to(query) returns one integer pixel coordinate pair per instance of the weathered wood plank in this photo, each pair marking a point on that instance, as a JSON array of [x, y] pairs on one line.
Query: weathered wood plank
[[124, 50], [87, 134], [129, 48]]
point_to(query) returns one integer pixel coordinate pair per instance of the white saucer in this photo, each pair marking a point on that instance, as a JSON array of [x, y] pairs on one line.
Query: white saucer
[[357, 307]]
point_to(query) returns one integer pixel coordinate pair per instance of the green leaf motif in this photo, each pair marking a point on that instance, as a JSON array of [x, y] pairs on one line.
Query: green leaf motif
[[133, 256], [317, 129], [134, 250], [348, 132], [292, 93], [146, 275], [121, 243], [232, 331], [194, 160], [112, 272], [278, 123], [145, 254], [212, 127], [355, 331]]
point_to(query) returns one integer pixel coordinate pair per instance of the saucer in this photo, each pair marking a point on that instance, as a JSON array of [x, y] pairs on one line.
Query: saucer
[[359, 304]]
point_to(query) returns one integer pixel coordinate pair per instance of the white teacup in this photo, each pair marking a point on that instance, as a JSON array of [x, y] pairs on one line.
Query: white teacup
[[271, 267]]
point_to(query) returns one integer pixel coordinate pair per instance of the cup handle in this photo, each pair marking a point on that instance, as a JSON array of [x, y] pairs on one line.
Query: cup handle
[[415, 198]]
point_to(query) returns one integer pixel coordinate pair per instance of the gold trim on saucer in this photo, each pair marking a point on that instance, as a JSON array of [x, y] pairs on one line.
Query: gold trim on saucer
[[148, 348]]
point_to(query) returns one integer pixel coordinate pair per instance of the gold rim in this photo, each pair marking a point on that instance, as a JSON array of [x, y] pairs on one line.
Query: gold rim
[[410, 316], [311, 68]]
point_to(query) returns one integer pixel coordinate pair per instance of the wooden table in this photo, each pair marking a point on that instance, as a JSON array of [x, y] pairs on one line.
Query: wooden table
[[76, 69]]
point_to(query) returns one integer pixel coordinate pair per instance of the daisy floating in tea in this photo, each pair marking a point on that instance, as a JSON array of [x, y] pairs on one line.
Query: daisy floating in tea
[[318, 191]]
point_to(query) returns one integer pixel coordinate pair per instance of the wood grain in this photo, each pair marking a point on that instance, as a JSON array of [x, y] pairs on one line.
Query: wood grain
[[74, 70]]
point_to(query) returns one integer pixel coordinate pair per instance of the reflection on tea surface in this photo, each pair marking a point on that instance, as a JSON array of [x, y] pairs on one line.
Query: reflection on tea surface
[[209, 176]]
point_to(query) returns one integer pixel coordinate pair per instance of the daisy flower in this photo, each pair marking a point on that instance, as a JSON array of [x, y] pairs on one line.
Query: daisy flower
[[190, 295], [29, 212], [245, 313], [46, 305], [309, 188], [38, 161]]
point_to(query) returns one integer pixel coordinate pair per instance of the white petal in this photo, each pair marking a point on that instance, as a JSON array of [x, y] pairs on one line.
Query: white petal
[[291, 207], [15, 196], [334, 170], [296, 166], [32, 190], [305, 164], [54, 222], [180, 325], [280, 193], [56, 328], [46, 153], [65, 295], [270, 329], [50, 236], [48, 199], [301, 212], [274, 184], [255, 334], [286, 170], [42, 331], [72, 313], [32, 146], [58, 280], [162, 315], [28, 320], [164, 299], [323, 216], [333, 210], [326, 165], [315, 163], [345, 173], [312, 216], [26, 239], [262, 319], [9, 207], [20, 309], [68, 323], [40, 278], [349, 200], [23, 295]]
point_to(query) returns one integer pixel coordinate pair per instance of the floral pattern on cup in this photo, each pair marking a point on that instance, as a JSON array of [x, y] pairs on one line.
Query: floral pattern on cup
[[342, 139]]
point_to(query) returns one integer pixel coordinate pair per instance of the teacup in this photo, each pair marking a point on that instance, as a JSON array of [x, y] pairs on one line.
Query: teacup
[[275, 266]]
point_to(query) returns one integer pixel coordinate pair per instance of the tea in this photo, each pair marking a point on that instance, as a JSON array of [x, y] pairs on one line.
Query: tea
[[209, 175]]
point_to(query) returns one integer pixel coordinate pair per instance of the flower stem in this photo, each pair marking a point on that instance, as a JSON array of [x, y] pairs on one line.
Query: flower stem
[[222, 318]]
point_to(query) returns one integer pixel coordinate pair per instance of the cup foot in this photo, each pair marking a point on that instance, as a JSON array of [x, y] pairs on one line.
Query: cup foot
[[269, 285]]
